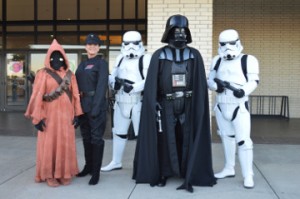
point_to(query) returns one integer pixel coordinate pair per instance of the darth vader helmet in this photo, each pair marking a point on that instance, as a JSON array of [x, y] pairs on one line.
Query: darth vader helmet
[[177, 32], [230, 45], [132, 45]]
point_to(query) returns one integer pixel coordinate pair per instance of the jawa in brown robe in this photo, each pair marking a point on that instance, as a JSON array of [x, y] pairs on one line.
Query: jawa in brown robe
[[54, 106]]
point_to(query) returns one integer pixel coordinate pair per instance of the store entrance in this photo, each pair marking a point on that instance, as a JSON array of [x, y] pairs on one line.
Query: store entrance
[[16, 88]]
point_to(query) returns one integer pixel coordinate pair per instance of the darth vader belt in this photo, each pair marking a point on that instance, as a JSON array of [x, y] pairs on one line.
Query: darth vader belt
[[178, 94]]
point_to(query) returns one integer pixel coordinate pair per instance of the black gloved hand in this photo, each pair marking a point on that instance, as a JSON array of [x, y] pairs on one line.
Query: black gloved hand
[[127, 88], [239, 93], [117, 85], [76, 122], [40, 126], [220, 87]]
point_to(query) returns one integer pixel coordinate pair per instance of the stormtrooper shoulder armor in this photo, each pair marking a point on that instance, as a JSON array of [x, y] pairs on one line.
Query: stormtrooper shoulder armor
[[252, 65]]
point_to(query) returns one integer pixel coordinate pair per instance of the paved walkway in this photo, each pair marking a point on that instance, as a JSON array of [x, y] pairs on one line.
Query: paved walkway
[[275, 167]]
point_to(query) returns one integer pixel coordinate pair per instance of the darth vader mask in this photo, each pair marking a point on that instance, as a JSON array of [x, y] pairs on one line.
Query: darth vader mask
[[178, 38]]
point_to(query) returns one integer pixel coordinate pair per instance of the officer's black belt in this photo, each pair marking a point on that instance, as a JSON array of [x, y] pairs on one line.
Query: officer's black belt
[[178, 94], [87, 94]]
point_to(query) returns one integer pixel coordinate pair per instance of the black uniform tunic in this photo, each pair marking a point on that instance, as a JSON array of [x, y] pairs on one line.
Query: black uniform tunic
[[92, 79]]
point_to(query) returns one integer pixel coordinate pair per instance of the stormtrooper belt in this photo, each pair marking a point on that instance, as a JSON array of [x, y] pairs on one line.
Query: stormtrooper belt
[[230, 99], [125, 98], [178, 94]]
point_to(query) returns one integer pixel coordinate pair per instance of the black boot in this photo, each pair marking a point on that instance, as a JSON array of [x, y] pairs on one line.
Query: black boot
[[162, 181], [88, 155], [97, 162]]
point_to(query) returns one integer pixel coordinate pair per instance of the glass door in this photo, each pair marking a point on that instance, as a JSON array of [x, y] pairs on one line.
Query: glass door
[[15, 83]]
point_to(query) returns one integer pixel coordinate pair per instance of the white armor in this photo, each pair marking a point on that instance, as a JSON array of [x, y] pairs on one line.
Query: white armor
[[127, 107], [232, 116]]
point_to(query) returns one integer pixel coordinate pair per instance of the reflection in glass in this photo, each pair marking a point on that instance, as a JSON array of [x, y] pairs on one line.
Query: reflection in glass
[[15, 78]]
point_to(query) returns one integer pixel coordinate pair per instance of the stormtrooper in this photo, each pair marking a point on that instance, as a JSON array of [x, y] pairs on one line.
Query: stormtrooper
[[234, 76], [127, 79]]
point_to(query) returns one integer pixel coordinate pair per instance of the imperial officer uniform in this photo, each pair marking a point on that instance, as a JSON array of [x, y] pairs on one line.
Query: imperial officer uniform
[[92, 78]]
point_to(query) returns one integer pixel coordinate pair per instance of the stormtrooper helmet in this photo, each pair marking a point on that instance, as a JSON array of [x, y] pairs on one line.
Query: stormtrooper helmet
[[132, 45], [230, 45]]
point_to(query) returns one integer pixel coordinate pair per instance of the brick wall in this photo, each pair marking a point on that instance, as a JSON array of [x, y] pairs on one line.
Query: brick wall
[[269, 29], [199, 14]]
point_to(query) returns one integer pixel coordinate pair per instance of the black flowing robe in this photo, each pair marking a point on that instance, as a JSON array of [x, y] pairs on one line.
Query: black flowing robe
[[197, 165]]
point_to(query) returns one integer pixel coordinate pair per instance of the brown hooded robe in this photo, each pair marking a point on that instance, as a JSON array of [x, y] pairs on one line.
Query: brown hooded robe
[[56, 147]]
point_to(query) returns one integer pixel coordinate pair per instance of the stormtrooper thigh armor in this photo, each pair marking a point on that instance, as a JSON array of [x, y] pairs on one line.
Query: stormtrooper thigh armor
[[124, 113], [232, 131]]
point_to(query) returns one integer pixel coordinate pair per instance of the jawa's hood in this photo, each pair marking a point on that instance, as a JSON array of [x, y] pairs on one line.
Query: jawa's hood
[[55, 46]]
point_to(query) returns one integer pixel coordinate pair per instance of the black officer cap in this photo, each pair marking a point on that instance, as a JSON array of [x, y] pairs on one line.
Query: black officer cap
[[93, 39]]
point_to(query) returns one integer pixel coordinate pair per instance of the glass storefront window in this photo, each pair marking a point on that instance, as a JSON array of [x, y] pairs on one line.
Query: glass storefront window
[[15, 78], [64, 39], [142, 27], [19, 41], [93, 28], [115, 27], [115, 9], [67, 28], [37, 61], [129, 9], [44, 39], [67, 10], [130, 27], [142, 9], [45, 10], [45, 28], [19, 28], [20, 10], [97, 11], [73, 61], [1, 11]]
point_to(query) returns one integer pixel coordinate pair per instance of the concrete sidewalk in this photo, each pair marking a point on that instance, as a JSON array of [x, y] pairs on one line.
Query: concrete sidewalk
[[275, 167]]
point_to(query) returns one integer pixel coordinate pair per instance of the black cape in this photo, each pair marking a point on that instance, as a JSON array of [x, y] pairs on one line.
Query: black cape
[[199, 170]]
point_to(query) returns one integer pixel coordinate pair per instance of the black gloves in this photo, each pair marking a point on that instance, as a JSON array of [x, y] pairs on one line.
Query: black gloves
[[117, 85], [127, 88], [239, 93], [221, 87], [40, 126], [76, 122]]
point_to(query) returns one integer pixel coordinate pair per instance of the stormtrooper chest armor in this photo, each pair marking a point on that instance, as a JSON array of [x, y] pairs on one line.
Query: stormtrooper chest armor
[[129, 69], [231, 71]]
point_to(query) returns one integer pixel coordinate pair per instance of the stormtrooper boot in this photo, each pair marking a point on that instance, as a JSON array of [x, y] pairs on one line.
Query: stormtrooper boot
[[229, 147], [246, 161], [118, 150]]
